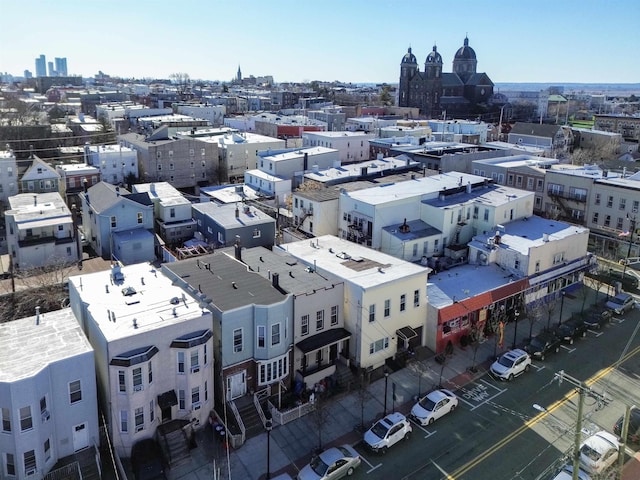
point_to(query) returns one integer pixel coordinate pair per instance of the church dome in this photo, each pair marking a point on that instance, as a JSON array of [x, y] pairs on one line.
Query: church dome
[[465, 52], [434, 56], [409, 57]]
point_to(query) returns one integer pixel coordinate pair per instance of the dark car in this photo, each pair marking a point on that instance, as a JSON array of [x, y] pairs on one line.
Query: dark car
[[571, 329], [633, 433], [147, 460], [597, 319], [542, 344]]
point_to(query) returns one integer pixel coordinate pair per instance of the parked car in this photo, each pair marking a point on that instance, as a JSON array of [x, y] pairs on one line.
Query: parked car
[[571, 329], [597, 319], [387, 432], [633, 431], [542, 344], [147, 460], [511, 364], [621, 303], [433, 406], [599, 452], [333, 463], [566, 473]]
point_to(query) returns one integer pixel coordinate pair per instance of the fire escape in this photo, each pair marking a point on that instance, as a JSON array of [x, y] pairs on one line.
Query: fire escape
[[565, 204], [306, 212], [358, 233]]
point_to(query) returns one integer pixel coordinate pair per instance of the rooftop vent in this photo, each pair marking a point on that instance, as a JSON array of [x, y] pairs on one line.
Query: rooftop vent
[[174, 301], [128, 291]]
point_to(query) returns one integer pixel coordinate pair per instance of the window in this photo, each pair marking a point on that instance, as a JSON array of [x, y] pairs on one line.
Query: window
[[403, 302], [319, 320], [607, 220], [26, 422], [415, 249], [372, 312], [204, 349], [304, 325], [275, 334], [529, 183], [114, 222], [180, 362], [195, 396], [172, 212], [379, 345], [122, 382], [256, 233], [75, 391], [634, 208], [206, 391], [334, 315], [609, 201], [195, 361], [6, 419], [597, 199], [159, 167], [30, 462], [619, 223], [558, 258], [10, 463], [139, 418], [475, 212], [47, 450], [137, 379], [594, 219], [416, 298], [539, 185], [152, 412], [425, 248], [273, 370], [262, 333], [516, 264], [150, 372], [140, 217], [181, 400], [623, 204], [237, 340], [486, 215], [43, 409], [171, 166], [537, 266]]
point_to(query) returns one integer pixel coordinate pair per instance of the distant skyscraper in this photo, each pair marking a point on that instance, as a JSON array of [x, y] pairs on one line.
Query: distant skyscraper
[[41, 66], [28, 74], [52, 72], [61, 66]]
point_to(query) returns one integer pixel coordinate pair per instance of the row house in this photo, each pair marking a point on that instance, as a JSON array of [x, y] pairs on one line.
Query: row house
[[118, 224], [352, 146], [117, 164], [556, 140], [153, 345], [40, 231], [8, 175], [48, 398], [39, 177], [74, 177]]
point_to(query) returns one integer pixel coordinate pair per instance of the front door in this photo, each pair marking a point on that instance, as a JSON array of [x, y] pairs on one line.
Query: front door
[[333, 353], [236, 385], [166, 414], [80, 437]]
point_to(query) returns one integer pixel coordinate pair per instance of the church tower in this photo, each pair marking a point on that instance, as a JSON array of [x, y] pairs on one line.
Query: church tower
[[408, 69], [464, 61], [432, 84], [239, 75]]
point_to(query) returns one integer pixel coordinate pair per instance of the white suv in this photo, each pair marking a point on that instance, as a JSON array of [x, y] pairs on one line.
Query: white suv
[[511, 364], [387, 432]]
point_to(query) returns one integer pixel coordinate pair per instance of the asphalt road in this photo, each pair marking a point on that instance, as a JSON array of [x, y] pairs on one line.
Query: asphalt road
[[497, 434]]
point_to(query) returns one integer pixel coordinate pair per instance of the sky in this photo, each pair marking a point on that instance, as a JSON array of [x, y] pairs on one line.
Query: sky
[[357, 41]]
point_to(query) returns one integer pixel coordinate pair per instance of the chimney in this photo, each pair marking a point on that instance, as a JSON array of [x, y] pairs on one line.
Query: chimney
[[305, 162], [86, 153], [37, 315], [237, 211], [468, 187], [85, 185], [35, 200], [238, 248], [275, 279], [117, 191], [135, 323]]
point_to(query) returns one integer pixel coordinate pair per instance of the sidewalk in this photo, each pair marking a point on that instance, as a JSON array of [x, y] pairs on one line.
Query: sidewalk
[[291, 445]]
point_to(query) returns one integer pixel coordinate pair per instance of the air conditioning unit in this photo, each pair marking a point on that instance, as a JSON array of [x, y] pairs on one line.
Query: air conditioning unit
[[31, 471], [196, 406], [137, 388], [139, 428], [45, 415], [195, 369]]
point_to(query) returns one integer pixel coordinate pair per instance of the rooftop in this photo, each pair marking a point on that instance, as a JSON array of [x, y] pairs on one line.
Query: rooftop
[[298, 153], [355, 263], [225, 214], [27, 346], [132, 300], [370, 167]]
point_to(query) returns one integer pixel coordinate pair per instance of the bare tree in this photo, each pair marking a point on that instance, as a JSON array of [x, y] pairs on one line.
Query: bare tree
[[183, 83], [363, 395], [534, 313], [549, 307], [319, 417]]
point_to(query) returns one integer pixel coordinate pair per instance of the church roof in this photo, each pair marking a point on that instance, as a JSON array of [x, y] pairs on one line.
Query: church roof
[[451, 80], [465, 52], [479, 79], [434, 56], [409, 57]]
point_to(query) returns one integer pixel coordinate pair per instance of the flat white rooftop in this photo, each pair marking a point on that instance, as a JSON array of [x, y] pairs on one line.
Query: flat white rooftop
[[354, 263], [141, 300], [27, 346], [299, 153]]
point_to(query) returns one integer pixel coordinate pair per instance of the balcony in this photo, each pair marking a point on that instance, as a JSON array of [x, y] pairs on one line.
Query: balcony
[[576, 197]]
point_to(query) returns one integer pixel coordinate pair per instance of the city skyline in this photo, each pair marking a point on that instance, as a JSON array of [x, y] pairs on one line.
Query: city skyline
[[356, 41]]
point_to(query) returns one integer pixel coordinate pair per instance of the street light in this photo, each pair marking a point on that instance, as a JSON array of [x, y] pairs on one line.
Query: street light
[[386, 383], [268, 425], [561, 306], [516, 314]]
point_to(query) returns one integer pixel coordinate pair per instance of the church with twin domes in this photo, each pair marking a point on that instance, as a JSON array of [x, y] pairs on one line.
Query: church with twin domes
[[463, 93]]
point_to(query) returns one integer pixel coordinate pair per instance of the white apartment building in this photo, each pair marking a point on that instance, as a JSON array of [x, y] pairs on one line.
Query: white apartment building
[[115, 162], [153, 346], [8, 175], [48, 399], [352, 146], [214, 114], [385, 298], [40, 231]]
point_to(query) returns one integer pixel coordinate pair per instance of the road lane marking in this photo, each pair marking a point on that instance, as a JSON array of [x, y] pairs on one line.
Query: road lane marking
[[568, 349], [417, 424], [538, 418], [597, 334], [478, 394], [369, 463], [442, 470]]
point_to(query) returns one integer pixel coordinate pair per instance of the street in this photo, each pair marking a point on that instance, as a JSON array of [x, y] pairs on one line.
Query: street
[[497, 434]]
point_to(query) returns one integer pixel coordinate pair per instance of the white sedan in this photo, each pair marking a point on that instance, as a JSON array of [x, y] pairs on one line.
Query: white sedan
[[433, 406]]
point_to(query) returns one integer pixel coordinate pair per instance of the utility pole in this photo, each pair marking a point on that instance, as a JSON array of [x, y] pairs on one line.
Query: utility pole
[[583, 391], [632, 221], [624, 432]]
